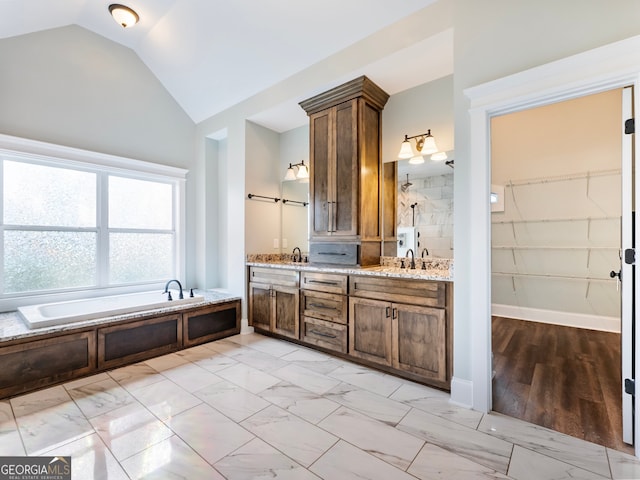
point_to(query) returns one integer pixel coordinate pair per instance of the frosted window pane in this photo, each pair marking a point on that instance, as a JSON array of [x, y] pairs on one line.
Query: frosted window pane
[[48, 196], [48, 260], [139, 257], [140, 204]]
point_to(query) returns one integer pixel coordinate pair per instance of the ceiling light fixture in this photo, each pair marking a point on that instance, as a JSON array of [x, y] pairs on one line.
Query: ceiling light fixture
[[425, 145], [302, 171], [123, 15]]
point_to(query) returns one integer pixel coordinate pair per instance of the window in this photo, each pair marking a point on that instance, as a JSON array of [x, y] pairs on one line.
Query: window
[[69, 226]]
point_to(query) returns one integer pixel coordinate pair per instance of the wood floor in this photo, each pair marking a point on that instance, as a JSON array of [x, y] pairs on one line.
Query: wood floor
[[563, 378]]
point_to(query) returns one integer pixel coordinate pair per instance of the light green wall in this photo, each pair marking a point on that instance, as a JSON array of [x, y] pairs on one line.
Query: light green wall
[[72, 87], [262, 217], [416, 110]]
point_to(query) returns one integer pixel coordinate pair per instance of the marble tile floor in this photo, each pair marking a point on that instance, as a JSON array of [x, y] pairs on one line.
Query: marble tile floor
[[253, 407]]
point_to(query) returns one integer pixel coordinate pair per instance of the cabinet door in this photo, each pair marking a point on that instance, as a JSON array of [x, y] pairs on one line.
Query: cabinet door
[[419, 341], [370, 330], [260, 306], [321, 160], [286, 311], [345, 175], [211, 323]]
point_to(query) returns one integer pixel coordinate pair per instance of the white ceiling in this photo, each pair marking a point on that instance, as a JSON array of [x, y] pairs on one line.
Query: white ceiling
[[212, 54]]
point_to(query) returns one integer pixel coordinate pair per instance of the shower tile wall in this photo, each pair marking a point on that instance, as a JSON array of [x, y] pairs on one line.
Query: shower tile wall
[[433, 212]]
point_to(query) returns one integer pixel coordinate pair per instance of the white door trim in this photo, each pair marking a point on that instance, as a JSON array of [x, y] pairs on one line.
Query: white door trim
[[626, 270], [612, 66]]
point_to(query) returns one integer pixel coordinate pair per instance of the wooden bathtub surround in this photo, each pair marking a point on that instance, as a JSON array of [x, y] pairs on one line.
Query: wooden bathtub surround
[[38, 361], [400, 325]]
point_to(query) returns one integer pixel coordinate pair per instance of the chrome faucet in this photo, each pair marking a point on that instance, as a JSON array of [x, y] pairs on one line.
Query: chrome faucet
[[413, 258], [166, 289], [299, 257]]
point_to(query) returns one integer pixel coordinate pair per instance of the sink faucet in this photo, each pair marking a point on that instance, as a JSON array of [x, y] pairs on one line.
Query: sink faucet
[[413, 259], [166, 289], [424, 264], [299, 257]]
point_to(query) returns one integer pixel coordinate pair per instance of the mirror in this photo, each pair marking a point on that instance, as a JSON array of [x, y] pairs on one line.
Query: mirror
[[295, 216], [424, 208]]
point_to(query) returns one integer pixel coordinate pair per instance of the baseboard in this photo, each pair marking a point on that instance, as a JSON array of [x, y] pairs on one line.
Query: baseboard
[[567, 319], [462, 392], [244, 327]]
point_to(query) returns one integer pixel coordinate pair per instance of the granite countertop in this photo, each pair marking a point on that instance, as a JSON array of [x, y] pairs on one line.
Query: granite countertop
[[12, 326], [439, 273]]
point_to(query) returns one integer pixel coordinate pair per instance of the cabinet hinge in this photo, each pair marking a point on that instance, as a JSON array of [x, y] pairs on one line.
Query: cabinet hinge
[[630, 256], [630, 386], [630, 126]]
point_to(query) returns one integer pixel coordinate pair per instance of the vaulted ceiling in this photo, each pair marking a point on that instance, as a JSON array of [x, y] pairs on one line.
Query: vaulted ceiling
[[212, 54]]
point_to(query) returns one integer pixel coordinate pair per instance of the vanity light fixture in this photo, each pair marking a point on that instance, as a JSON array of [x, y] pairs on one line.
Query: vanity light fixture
[[417, 160], [302, 171], [438, 157], [425, 145], [122, 14]]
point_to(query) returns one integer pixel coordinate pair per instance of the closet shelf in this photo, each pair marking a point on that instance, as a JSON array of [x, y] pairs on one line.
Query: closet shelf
[[550, 275], [548, 247], [564, 178], [555, 220]]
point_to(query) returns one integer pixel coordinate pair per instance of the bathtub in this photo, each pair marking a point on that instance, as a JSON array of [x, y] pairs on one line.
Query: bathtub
[[60, 313]]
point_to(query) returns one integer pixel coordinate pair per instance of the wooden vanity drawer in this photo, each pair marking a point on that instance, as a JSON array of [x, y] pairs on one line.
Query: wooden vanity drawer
[[324, 282], [325, 306], [274, 276], [330, 335], [426, 293]]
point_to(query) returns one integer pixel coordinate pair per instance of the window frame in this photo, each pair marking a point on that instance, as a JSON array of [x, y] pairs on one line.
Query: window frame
[[103, 165]]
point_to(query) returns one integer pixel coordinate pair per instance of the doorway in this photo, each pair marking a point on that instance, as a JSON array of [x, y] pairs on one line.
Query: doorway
[[604, 68], [556, 235]]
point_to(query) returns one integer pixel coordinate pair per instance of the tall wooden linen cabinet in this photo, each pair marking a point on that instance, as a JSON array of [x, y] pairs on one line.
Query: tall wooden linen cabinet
[[345, 183]]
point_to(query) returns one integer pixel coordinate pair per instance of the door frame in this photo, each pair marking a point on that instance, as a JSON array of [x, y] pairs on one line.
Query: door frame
[[605, 68]]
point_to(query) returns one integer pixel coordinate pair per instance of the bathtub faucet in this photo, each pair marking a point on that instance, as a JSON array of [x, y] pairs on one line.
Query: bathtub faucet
[[166, 289]]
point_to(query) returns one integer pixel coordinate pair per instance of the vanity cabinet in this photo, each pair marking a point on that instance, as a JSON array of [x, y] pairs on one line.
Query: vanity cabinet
[[403, 324], [324, 308], [274, 301], [399, 325], [345, 173]]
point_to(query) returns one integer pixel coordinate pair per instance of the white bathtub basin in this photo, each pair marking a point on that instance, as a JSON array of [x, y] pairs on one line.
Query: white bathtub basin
[[60, 313]]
